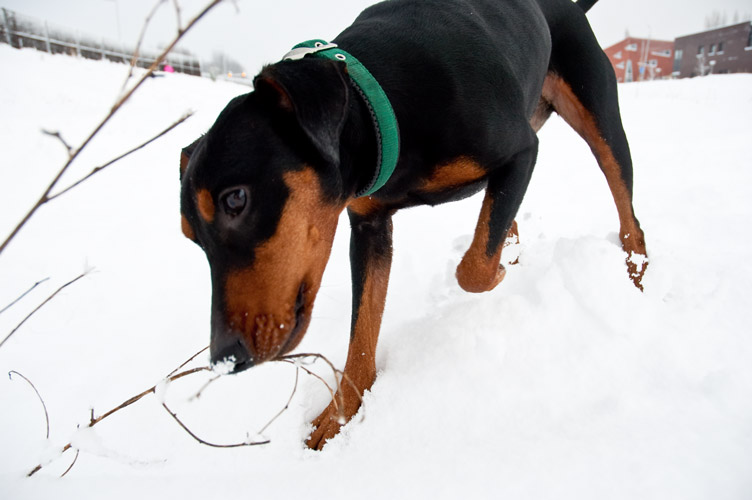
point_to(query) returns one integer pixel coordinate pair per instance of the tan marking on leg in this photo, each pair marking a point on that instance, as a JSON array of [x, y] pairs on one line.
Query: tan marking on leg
[[260, 299], [185, 226], [205, 205], [582, 121], [513, 237], [456, 173], [477, 272], [360, 368], [365, 205]]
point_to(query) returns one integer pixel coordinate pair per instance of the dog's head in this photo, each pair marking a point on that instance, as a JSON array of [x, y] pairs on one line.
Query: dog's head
[[261, 195]]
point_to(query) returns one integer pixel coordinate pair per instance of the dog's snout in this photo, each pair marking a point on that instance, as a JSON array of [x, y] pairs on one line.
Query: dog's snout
[[229, 354]]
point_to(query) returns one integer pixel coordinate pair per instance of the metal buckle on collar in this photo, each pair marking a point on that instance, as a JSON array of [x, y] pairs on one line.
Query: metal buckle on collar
[[301, 52]]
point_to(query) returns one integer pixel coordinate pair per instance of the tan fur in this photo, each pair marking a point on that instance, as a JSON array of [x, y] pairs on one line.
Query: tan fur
[[560, 94], [360, 368], [461, 171], [185, 226], [477, 272], [260, 299], [205, 205]]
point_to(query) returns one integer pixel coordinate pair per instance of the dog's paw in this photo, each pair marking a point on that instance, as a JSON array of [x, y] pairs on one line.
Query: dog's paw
[[478, 275], [637, 263], [331, 420], [326, 426]]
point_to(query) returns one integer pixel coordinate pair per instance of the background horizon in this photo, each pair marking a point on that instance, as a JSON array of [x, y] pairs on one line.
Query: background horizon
[[240, 28]]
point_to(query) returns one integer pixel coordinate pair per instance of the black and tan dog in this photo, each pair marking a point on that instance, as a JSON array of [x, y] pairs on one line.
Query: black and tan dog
[[470, 83]]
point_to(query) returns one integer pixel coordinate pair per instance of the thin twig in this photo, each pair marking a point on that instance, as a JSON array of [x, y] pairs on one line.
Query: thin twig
[[44, 198], [42, 305], [207, 443], [177, 15], [44, 406], [203, 387], [137, 50], [287, 405], [173, 372], [127, 153], [23, 295], [94, 421], [78, 452], [59, 137]]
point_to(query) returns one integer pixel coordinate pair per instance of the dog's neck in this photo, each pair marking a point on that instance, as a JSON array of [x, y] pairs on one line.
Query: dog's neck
[[358, 146]]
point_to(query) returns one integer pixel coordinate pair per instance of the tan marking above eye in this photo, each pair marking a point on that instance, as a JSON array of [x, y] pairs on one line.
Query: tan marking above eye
[[205, 205], [186, 228]]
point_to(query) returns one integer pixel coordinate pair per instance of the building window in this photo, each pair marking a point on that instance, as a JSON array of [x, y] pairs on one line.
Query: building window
[[749, 39], [720, 47], [712, 50], [700, 50], [632, 47], [678, 54]]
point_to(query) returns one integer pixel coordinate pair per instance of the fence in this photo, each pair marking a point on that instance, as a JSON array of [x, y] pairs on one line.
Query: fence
[[21, 31]]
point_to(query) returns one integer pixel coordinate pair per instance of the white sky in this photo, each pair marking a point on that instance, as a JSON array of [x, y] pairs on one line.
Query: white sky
[[257, 32]]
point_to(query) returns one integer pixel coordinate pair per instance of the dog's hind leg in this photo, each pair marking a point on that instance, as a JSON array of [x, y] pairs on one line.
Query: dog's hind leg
[[480, 269], [581, 87]]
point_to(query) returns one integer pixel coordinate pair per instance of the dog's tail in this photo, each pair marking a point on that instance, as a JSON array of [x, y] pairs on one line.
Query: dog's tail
[[586, 4]]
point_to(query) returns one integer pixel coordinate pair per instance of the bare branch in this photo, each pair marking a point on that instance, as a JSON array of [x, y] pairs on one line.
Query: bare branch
[[94, 421], [137, 50], [207, 443], [72, 464], [173, 372], [42, 305], [44, 406], [59, 137], [287, 405], [23, 295], [127, 153], [177, 15], [44, 198]]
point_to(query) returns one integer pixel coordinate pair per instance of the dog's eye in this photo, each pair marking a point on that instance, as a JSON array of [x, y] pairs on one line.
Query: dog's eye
[[234, 201]]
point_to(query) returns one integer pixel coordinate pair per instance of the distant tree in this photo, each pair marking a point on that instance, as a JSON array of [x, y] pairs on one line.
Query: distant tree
[[221, 64], [716, 19]]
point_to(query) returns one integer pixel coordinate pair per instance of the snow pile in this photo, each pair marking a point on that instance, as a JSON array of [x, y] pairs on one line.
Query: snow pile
[[564, 382]]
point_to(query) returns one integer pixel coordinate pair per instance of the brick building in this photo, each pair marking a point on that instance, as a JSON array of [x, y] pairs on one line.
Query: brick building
[[722, 50], [638, 59]]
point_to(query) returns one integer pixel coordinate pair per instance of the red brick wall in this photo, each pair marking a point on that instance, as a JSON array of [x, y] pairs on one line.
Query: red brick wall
[[639, 59]]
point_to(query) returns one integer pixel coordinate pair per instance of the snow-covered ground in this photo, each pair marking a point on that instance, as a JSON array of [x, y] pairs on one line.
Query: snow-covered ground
[[564, 382]]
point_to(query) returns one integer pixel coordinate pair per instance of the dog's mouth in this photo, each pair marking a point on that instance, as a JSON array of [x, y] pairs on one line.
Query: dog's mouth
[[248, 344]]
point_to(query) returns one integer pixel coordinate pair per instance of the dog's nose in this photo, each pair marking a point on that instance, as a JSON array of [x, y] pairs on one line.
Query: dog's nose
[[229, 354]]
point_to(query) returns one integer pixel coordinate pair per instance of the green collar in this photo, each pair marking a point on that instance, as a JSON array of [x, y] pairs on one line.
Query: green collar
[[384, 120]]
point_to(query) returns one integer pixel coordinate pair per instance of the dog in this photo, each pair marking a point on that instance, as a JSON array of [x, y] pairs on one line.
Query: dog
[[462, 86]]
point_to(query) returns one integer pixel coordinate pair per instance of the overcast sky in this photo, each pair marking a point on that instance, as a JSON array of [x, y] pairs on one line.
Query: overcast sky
[[258, 32]]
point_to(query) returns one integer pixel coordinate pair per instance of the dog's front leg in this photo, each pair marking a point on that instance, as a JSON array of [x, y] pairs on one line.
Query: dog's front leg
[[370, 262], [480, 269]]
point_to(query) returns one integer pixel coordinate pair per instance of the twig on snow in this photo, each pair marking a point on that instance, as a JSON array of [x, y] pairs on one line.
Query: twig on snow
[[41, 400], [42, 305], [127, 153], [23, 295], [56, 134], [45, 197]]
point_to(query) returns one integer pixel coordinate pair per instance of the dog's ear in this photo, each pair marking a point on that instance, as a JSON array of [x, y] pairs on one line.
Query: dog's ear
[[185, 155], [315, 91]]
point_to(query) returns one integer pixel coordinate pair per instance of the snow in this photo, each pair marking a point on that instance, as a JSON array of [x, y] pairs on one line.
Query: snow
[[564, 382]]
